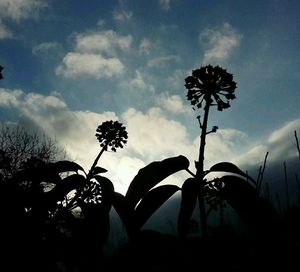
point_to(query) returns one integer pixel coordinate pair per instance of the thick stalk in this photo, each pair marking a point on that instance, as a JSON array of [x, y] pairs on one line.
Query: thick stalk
[[200, 171]]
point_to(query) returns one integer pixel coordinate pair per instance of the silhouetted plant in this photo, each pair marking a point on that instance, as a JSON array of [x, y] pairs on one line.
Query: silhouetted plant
[[213, 86], [61, 200], [209, 86]]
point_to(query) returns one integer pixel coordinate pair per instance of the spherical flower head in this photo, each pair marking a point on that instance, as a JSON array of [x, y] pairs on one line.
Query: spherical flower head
[[212, 84], [112, 134]]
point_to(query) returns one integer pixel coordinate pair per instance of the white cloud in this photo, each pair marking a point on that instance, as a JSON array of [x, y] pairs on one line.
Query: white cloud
[[74, 130], [10, 98], [138, 83], [154, 136], [176, 80], [125, 169], [5, 33], [88, 64], [103, 42], [122, 15], [165, 4], [282, 141], [96, 55], [145, 47], [254, 157], [18, 10], [219, 43], [172, 103], [281, 145], [224, 145], [46, 49], [160, 61]]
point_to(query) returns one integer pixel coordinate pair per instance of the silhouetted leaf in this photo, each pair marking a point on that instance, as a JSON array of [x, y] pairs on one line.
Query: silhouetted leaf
[[231, 168], [64, 187], [242, 196], [151, 175], [125, 212], [98, 170], [151, 202], [238, 193], [65, 166], [189, 194]]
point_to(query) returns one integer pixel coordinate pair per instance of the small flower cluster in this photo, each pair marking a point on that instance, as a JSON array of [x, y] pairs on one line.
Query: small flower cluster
[[91, 193], [112, 134], [210, 84]]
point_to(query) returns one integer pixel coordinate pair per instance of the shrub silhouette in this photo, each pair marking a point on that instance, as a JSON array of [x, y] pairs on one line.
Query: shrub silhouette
[[21, 149]]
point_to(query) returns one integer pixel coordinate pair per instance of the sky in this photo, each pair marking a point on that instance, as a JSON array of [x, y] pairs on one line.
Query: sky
[[70, 65]]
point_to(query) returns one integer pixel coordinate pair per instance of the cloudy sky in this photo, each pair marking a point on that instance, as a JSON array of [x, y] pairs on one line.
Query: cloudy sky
[[70, 65]]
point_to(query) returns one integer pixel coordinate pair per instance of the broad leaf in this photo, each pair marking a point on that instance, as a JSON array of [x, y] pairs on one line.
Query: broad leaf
[[189, 195], [151, 175], [98, 170], [122, 208], [64, 187], [238, 193], [65, 166], [151, 202], [230, 168], [242, 197]]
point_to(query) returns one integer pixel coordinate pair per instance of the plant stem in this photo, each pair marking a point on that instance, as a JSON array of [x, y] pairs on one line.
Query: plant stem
[[71, 205], [200, 165], [97, 159], [297, 143], [286, 187], [200, 170], [262, 170]]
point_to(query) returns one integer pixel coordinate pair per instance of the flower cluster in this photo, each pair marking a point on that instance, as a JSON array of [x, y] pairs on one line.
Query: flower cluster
[[91, 193], [212, 84], [111, 134]]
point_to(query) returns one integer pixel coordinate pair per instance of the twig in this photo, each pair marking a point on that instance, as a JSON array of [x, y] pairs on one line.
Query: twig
[[190, 172]]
